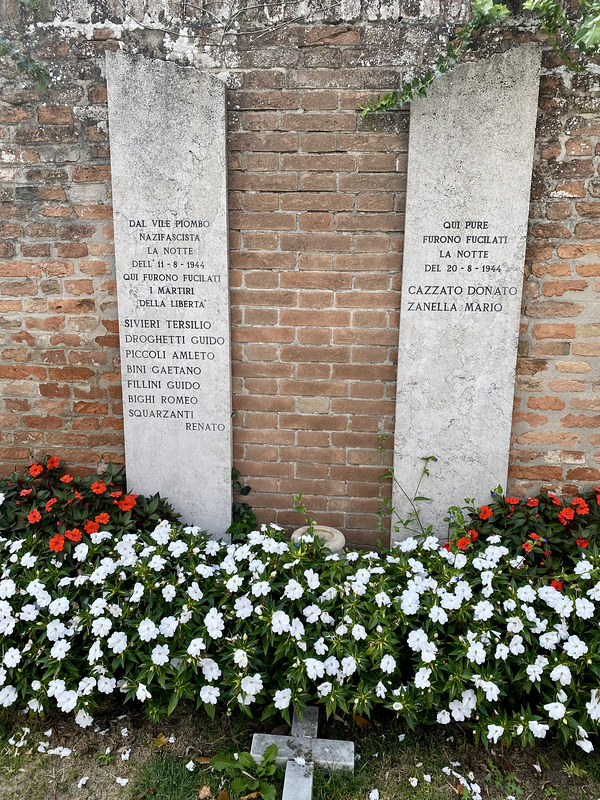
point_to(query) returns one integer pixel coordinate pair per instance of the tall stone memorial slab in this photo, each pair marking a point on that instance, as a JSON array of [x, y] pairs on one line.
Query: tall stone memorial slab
[[167, 141], [469, 176]]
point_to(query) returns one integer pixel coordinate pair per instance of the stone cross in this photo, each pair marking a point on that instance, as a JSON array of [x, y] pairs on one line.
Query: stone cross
[[304, 745]]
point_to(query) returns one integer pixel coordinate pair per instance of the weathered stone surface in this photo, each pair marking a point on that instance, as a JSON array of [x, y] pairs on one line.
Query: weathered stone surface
[[308, 725], [469, 176], [167, 139], [327, 753], [298, 781]]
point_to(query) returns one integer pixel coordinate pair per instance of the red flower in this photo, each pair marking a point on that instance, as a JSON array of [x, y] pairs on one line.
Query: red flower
[[52, 462], [116, 494], [473, 534], [582, 543], [74, 535], [35, 469], [512, 501], [102, 518], [582, 506], [66, 479], [565, 515], [532, 502], [485, 513], [25, 492], [557, 585], [50, 503], [34, 516], [78, 496], [463, 543], [534, 536], [128, 502], [57, 543], [555, 500], [447, 546], [98, 487], [527, 546], [91, 527]]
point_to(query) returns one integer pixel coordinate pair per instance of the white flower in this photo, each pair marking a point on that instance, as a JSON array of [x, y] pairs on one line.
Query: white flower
[[538, 729], [12, 657], [324, 689], [526, 594], [122, 781], [388, 664], [83, 719], [562, 674], [60, 649], [7, 588], [293, 590], [584, 609], [209, 694], [83, 781], [243, 607], [234, 583], [195, 647], [261, 589], [126, 754], [422, 678], [194, 591], [312, 579], [210, 669], [190, 765], [240, 657], [437, 614], [169, 592], [147, 630], [516, 645], [429, 652], [374, 794], [280, 622], [106, 685], [252, 684], [320, 647], [494, 732], [160, 654], [358, 632], [142, 693], [168, 626], [348, 666], [514, 625], [413, 782], [8, 695], [575, 647], [282, 698], [535, 670], [137, 594], [214, 623], [483, 611], [101, 626], [476, 653], [157, 563], [443, 718], [117, 642], [314, 668], [417, 639], [555, 710], [59, 606]]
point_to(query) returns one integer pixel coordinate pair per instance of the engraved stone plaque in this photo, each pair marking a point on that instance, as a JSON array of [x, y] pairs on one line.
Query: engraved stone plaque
[[167, 141], [469, 176]]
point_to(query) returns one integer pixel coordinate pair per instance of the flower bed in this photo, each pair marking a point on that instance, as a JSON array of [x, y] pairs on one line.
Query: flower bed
[[469, 631]]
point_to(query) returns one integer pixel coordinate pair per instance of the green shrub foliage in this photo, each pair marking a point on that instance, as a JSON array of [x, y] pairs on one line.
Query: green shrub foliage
[[105, 593]]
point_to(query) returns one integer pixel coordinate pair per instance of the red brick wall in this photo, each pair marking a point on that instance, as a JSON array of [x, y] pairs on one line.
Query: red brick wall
[[316, 219]]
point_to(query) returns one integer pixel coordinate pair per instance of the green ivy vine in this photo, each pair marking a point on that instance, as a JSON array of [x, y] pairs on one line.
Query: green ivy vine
[[580, 34]]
